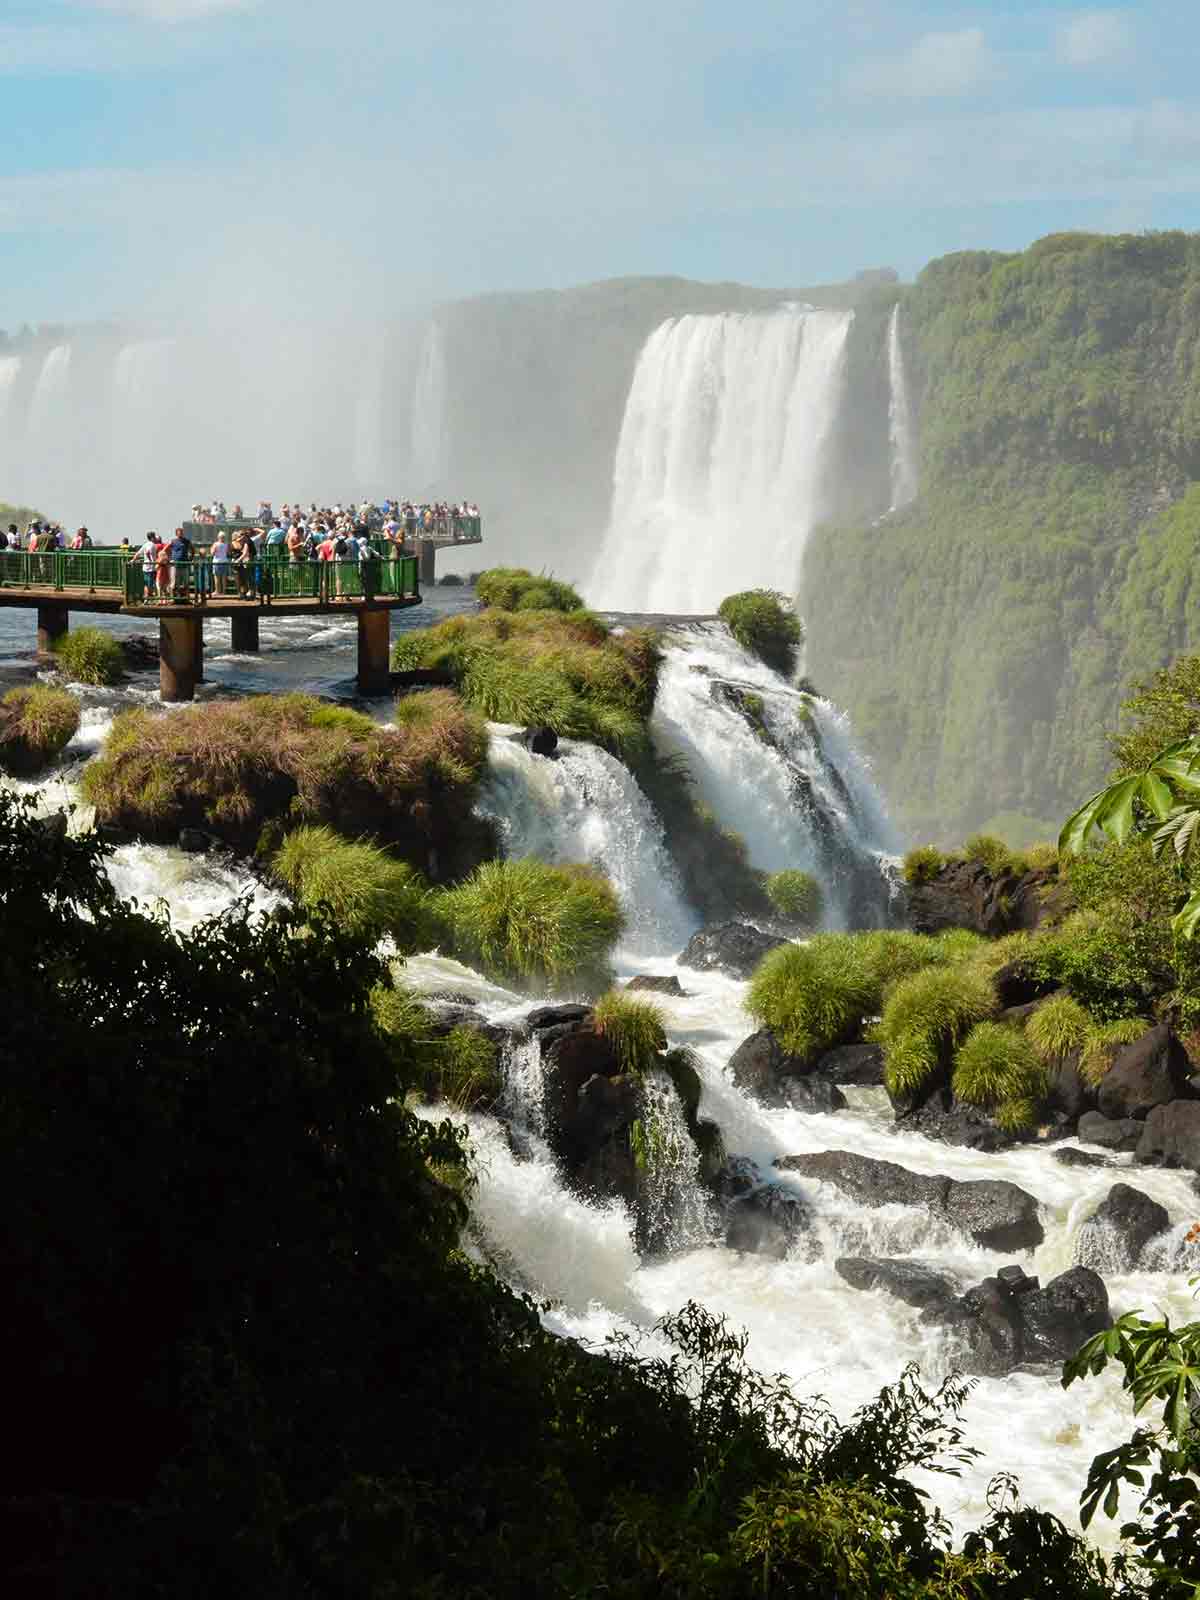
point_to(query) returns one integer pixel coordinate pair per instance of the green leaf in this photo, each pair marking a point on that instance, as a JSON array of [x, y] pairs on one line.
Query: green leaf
[[1079, 824], [1185, 922], [1156, 794], [1115, 813]]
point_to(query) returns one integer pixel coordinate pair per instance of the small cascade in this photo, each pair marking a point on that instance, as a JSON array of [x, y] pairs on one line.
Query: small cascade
[[721, 465], [673, 1209], [429, 412], [901, 425], [525, 1085], [777, 765], [583, 805]]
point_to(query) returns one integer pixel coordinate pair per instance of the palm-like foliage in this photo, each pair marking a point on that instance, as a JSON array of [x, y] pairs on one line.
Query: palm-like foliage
[[1168, 789]]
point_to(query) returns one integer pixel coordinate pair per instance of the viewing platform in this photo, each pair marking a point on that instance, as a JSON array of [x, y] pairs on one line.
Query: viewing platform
[[108, 582], [445, 534]]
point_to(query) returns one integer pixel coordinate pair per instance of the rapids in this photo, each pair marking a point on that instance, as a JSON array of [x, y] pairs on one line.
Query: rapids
[[803, 1320]]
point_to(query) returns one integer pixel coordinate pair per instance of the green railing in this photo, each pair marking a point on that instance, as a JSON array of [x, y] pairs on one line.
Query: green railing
[[270, 578], [94, 570]]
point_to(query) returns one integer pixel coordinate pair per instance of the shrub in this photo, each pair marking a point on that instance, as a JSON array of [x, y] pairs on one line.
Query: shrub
[[567, 672], [922, 863], [1058, 1026], [528, 923], [796, 896], [36, 725], [517, 589], [764, 622], [234, 767], [369, 891], [960, 944], [1041, 857], [998, 1066], [992, 852], [89, 655], [464, 1069], [925, 1017], [634, 1028]]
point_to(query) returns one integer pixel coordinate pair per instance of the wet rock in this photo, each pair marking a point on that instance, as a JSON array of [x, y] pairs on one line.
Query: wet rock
[[771, 1220], [542, 741], [860, 1064], [655, 983], [949, 1121], [963, 894], [550, 1016], [914, 1282], [1068, 1090], [1094, 1128], [1150, 1072], [1008, 1321], [140, 651], [1171, 1136], [1069, 1156], [732, 947], [760, 1065], [991, 1211], [736, 1177], [1114, 1236], [813, 1094], [196, 842], [1062, 1316]]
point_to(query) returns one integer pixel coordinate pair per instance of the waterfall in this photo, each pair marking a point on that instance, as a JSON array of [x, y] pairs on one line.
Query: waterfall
[[584, 805], [674, 1203], [778, 766], [370, 465], [720, 466], [10, 454], [429, 413], [901, 428]]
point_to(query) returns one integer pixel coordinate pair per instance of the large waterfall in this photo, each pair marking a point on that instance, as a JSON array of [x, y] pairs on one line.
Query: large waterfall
[[428, 450], [721, 469], [901, 426]]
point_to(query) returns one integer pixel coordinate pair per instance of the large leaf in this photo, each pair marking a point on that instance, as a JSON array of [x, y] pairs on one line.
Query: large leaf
[[1079, 824], [1179, 831], [1115, 812], [1186, 921], [1156, 794]]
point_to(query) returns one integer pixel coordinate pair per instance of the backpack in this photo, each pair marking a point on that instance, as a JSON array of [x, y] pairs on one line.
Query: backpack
[[339, 548]]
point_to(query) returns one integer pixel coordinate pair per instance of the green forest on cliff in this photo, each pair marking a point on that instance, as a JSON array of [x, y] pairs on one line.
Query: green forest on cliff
[[981, 636]]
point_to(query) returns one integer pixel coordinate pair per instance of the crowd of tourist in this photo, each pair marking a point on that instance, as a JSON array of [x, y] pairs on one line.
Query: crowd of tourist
[[395, 519], [244, 561], [42, 536]]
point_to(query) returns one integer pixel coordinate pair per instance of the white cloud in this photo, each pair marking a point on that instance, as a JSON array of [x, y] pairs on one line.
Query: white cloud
[[1092, 38], [170, 10], [937, 66]]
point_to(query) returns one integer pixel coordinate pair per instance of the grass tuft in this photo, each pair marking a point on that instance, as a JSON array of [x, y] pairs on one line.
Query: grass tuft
[[796, 896], [369, 891], [1104, 1041], [1058, 1026], [923, 863], [36, 724], [996, 1065], [925, 1018], [765, 623], [89, 655], [993, 853], [525, 922], [518, 589], [634, 1028]]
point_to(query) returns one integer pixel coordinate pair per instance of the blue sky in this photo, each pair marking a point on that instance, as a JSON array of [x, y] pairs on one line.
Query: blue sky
[[325, 156]]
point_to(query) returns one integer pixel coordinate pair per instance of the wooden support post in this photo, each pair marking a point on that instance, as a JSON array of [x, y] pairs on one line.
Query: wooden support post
[[374, 638], [199, 649], [244, 632], [52, 622], [180, 641], [426, 562]]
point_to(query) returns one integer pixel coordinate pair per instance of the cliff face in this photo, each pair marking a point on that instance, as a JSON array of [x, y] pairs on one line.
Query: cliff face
[[983, 638]]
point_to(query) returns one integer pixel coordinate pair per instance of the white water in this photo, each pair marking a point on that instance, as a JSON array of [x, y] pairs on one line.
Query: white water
[[901, 426], [583, 806], [751, 786], [720, 467], [429, 413], [10, 371]]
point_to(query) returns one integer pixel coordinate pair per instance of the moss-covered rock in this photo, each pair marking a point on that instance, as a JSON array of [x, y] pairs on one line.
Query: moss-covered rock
[[250, 770]]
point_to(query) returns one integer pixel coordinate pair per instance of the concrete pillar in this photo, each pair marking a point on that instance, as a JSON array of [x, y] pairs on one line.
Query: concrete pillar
[[244, 633], [52, 622], [426, 562], [374, 638], [180, 642]]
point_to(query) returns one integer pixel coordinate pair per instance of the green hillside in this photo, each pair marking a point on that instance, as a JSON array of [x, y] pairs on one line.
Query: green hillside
[[981, 637]]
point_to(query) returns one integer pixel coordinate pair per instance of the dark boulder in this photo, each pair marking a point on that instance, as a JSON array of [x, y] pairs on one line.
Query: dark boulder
[[733, 947], [1062, 1316], [760, 1065], [1071, 1157], [813, 1094], [139, 651], [1016, 986], [542, 741], [914, 1282], [771, 1220], [1068, 1090], [597, 1146], [992, 1212], [735, 1177], [1008, 1321], [551, 1016], [1147, 1073], [657, 983], [963, 894], [860, 1064], [949, 1121], [196, 842], [1114, 1236], [1171, 1136], [1118, 1136]]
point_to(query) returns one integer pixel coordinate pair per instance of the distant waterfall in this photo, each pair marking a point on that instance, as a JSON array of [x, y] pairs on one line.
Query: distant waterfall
[[10, 463], [720, 468], [901, 429], [429, 413]]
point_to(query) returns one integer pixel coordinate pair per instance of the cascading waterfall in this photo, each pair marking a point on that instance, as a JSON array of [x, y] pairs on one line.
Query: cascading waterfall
[[677, 1209], [790, 785], [10, 371], [429, 412], [721, 466], [901, 427], [583, 805]]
